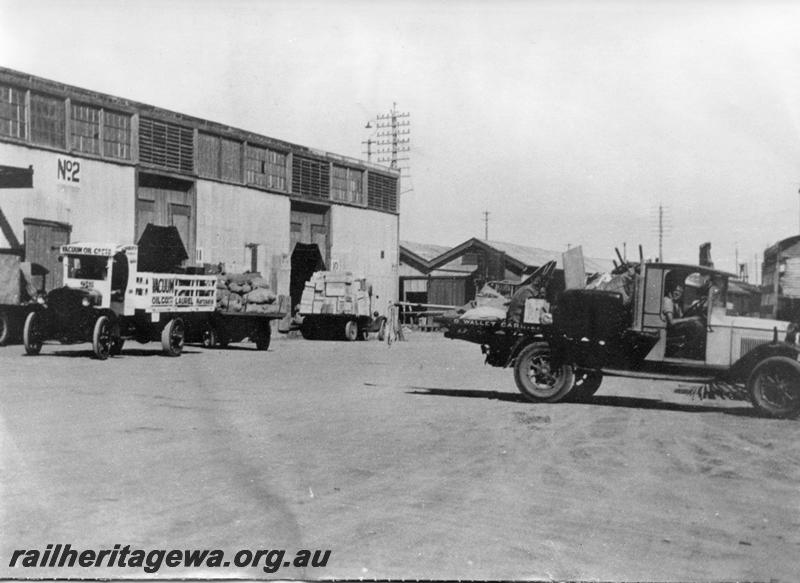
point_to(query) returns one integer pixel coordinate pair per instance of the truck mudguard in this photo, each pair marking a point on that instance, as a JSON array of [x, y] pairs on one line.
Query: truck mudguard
[[742, 368]]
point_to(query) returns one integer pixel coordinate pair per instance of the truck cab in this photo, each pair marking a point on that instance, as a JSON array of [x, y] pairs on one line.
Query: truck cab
[[723, 336], [101, 271]]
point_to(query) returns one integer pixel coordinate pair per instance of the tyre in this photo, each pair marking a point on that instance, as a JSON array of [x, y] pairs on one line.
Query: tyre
[[308, 331], [363, 334], [382, 331], [774, 387], [172, 337], [263, 337], [535, 378], [209, 336], [117, 342], [586, 384], [32, 335], [4, 328], [351, 330], [102, 338]]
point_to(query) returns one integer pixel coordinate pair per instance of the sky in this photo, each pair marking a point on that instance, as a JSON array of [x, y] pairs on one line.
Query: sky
[[570, 123]]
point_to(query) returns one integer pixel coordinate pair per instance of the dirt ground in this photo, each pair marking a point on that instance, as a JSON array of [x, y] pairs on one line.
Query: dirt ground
[[413, 460]]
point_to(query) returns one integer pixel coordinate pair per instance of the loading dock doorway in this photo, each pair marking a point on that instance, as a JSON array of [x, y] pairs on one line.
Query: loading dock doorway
[[167, 202], [306, 259], [310, 244]]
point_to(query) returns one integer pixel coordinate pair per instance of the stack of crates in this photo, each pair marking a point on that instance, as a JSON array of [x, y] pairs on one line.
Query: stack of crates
[[335, 292]]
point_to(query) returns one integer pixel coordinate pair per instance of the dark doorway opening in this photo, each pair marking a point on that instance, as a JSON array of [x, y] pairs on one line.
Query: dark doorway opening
[[306, 259]]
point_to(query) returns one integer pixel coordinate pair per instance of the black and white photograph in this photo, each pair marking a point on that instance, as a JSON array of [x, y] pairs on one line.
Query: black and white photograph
[[403, 290]]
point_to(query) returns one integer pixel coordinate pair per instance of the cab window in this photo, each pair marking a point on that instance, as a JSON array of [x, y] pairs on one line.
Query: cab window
[[87, 267]]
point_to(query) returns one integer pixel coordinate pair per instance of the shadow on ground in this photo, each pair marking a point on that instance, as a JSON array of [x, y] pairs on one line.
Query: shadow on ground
[[603, 401]]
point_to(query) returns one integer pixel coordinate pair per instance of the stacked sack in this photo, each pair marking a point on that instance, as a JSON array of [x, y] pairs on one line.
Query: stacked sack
[[245, 292]]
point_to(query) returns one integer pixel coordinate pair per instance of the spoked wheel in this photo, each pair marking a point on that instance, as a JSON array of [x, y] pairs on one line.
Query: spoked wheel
[[537, 379], [774, 387], [102, 338], [172, 337], [32, 335], [263, 337], [586, 384], [351, 330]]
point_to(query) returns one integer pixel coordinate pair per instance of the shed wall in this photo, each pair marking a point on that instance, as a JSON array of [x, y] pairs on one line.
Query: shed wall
[[359, 238], [100, 207]]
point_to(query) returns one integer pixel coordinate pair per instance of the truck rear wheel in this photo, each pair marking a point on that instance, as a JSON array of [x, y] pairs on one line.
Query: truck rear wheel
[[172, 337], [535, 377], [587, 382], [263, 336], [117, 341], [4, 328], [102, 338], [351, 330], [32, 333], [774, 387], [209, 336]]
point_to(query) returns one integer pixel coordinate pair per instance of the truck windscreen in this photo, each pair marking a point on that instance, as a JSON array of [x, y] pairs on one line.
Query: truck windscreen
[[87, 267]]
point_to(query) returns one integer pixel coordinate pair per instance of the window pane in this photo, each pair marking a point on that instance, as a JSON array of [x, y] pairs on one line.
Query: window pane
[[12, 112], [116, 135], [48, 120], [85, 128]]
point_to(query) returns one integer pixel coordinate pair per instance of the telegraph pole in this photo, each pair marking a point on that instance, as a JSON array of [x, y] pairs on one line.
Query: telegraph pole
[[485, 225], [392, 129]]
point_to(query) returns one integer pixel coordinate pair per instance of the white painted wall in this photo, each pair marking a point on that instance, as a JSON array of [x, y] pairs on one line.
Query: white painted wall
[[358, 237], [229, 217], [100, 206]]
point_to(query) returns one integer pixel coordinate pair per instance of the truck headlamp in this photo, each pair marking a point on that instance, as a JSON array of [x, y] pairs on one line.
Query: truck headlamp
[[40, 300], [85, 302]]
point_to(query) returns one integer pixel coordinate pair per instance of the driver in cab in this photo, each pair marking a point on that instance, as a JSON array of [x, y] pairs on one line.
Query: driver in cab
[[689, 329]]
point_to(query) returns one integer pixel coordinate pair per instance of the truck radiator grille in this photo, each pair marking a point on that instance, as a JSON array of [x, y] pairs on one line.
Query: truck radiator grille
[[749, 344]]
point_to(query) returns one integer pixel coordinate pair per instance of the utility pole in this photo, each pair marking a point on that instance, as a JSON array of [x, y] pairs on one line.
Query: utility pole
[[662, 225], [391, 131], [368, 143], [485, 225]]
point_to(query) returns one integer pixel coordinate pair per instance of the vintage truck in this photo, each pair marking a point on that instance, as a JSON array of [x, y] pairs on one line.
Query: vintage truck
[[563, 353], [106, 299], [336, 305]]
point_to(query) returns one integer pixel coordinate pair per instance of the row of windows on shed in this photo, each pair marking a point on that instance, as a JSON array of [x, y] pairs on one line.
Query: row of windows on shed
[[92, 129], [98, 131]]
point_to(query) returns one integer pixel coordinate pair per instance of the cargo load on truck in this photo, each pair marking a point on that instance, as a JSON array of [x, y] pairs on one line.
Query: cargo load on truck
[[244, 309]]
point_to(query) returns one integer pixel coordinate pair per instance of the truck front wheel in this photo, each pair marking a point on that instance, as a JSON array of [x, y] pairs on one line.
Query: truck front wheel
[[774, 387], [537, 379], [32, 333], [172, 337], [102, 338]]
